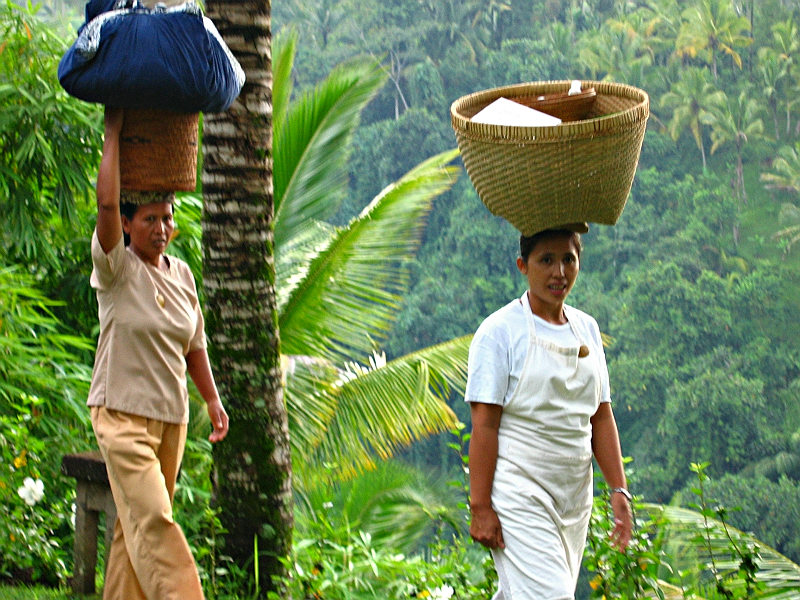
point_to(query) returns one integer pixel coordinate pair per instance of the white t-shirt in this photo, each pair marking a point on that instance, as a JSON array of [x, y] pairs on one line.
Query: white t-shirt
[[500, 346]]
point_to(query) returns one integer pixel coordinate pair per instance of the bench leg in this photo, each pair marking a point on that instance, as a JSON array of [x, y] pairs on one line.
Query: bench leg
[[85, 552]]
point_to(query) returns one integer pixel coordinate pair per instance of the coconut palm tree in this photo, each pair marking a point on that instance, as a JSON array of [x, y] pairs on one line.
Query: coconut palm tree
[[710, 28], [660, 23], [773, 74], [785, 173], [468, 23], [735, 121], [616, 53], [786, 44], [319, 19], [338, 289], [690, 98], [253, 465], [487, 15]]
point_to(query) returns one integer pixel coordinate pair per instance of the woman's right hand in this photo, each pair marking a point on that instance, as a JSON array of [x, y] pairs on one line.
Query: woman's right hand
[[485, 527]]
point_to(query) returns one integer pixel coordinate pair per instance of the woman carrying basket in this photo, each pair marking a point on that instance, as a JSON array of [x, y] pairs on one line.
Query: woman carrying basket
[[540, 403], [151, 334]]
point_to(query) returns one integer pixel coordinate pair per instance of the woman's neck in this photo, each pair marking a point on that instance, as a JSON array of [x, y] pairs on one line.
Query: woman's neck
[[158, 261], [552, 313]]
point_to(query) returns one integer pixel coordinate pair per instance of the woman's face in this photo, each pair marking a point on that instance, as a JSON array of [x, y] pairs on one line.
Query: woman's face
[[150, 230], [551, 268]]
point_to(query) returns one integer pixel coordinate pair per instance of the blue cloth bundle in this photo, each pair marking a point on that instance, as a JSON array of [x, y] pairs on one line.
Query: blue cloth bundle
[[130, 56]]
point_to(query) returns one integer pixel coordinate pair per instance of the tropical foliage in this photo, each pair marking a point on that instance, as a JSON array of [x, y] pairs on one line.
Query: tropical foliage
[[48, 145], [696, 287], [340, 288]]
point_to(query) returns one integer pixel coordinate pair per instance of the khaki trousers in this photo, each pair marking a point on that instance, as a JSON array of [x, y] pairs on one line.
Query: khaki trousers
[[149, 557]]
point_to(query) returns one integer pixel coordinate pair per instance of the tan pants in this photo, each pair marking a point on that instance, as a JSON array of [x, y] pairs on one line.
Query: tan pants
[[149, 557]]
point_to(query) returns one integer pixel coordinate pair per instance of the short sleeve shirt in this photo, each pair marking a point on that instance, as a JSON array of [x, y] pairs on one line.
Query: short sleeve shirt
[[500, 346], [150, 319]]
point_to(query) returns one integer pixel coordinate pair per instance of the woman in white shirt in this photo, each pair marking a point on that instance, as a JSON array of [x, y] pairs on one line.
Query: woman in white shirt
[[541, 409]]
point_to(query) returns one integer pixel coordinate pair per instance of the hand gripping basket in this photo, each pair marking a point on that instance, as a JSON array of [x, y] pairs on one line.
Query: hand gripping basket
[[158, 150], [543, 177]]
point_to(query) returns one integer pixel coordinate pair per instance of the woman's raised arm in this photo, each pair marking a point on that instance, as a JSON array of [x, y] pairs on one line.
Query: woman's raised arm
[[109, 225]]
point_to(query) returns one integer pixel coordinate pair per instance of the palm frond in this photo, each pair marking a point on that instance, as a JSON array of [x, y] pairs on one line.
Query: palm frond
[[789, 219], [405, 515], [310, 148], [351, 292], [395, 503], [789, 214], [294, 259], [785, 174], [282, 62], [780, 575], [382, 409], [310, 404]]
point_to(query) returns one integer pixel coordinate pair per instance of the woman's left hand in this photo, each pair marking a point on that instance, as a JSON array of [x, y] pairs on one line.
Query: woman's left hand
[[219, 420], [623, 522]]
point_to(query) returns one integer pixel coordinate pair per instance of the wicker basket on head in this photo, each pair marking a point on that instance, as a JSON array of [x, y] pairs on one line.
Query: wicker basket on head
[[158, 150], [542, 177]]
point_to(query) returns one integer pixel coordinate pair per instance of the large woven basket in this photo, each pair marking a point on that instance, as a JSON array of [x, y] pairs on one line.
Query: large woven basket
[[158, 150], [542, 177]]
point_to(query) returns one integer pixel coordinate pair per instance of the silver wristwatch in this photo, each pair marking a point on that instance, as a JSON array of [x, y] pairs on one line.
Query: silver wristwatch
[[623, 491]]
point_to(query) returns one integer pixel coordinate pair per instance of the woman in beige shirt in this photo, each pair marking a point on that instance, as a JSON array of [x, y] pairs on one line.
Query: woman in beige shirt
[[151, 335]]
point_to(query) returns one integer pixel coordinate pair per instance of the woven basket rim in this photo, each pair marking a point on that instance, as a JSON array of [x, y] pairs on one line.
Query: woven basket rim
[[573, 129]]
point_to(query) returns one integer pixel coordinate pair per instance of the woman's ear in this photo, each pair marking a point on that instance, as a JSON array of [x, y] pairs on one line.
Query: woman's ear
[[522, 266]]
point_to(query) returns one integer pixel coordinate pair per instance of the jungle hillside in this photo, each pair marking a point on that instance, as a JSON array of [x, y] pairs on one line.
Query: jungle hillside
[[696, 289]]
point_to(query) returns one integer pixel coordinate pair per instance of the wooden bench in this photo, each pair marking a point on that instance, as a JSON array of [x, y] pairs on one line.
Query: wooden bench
[[93, 496]]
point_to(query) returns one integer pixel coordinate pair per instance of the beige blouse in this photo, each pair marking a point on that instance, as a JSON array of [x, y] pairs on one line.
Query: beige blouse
[[150, 320]]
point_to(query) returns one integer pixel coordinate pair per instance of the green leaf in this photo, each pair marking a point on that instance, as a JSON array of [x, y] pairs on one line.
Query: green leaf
[[310, 149], [351, 292], [381, 409]]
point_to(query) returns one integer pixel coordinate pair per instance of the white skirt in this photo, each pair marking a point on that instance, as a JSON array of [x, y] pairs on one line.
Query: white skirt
[[544, 512]]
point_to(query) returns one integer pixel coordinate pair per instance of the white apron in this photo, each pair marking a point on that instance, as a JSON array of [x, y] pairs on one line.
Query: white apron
[[542, 490]]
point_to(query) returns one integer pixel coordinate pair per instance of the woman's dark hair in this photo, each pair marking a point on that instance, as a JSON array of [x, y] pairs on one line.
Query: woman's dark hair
[[127, 209], [528, 243]]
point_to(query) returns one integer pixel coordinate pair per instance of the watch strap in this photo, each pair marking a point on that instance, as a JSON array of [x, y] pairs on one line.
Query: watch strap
[[623, 491]]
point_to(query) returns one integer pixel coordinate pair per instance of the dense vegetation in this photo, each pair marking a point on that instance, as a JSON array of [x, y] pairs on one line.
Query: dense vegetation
[[696, 287]]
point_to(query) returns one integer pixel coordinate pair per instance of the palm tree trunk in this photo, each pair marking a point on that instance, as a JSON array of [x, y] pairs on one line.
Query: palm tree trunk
[[702, 147], [740, 174], [252, 466], [773, 106]]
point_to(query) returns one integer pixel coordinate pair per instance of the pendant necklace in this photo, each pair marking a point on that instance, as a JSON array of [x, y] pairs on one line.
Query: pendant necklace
[[160, 299]]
